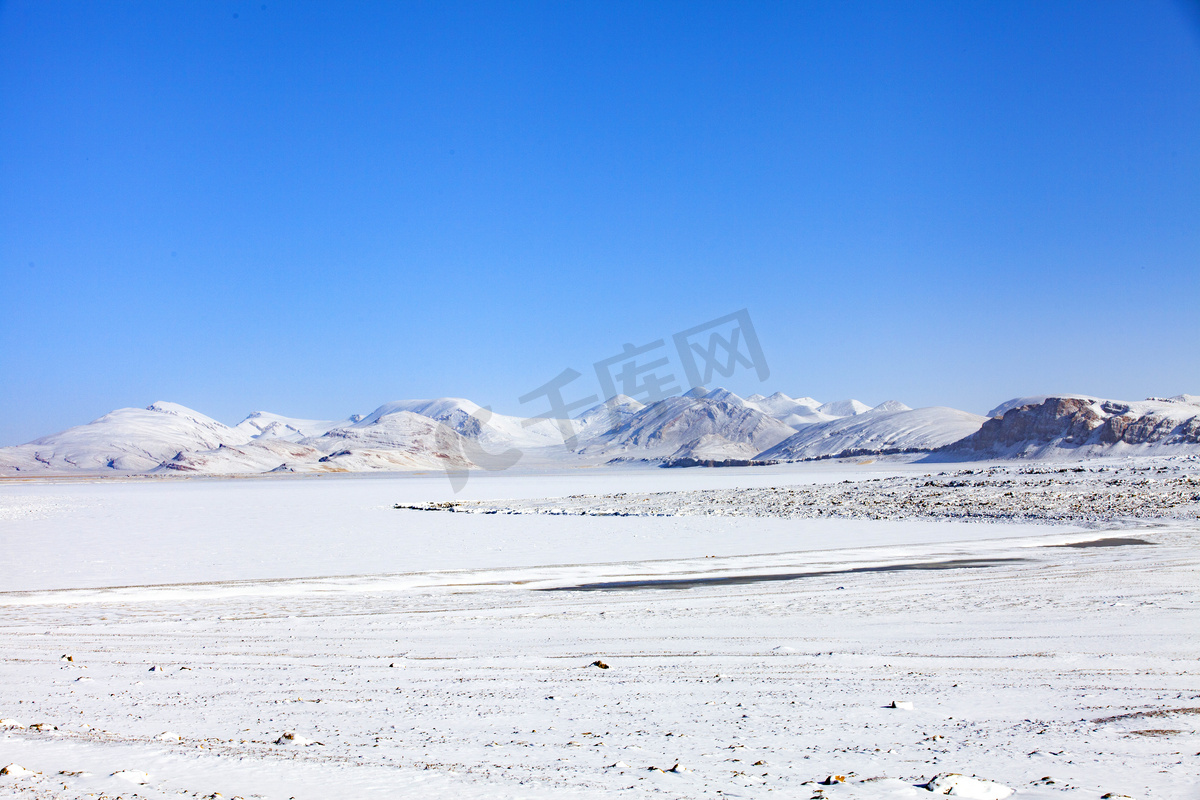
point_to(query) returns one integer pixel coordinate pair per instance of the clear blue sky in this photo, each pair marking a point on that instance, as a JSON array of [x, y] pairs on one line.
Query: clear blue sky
[[313, 208]]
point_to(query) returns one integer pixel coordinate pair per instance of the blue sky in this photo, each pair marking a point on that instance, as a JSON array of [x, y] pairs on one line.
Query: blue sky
[[313, 208]]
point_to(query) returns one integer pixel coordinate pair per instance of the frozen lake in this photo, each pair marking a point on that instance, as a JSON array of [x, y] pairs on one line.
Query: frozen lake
[[417, 654]]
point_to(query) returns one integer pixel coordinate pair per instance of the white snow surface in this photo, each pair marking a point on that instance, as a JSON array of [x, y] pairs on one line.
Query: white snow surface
[[309, 640]]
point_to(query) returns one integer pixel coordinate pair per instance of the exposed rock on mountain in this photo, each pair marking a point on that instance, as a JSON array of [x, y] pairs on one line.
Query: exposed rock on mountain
[[1085, 426]]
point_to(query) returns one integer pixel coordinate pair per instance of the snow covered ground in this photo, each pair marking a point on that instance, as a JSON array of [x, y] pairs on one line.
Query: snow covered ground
[[298, 636]]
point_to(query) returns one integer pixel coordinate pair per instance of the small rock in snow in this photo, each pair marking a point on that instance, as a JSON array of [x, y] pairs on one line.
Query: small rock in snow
[[290, 737], [43, 726], [907, 705], [132, 775], [599, 664], [65, 657], [169, 736], [11, 723], [16, 770], [951, 783], [833, 780]]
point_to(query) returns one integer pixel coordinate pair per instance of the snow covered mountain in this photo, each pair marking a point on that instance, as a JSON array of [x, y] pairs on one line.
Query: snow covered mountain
[[788, 410], [658, 430], [1071, 426], [128, 439], [475, 422], [701, 427], [878, 431], [390, 438]]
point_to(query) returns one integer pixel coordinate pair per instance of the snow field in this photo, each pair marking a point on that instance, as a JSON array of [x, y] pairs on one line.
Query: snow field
[[407, 656]]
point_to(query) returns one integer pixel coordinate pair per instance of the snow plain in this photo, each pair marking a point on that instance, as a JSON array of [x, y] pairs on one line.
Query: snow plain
[[418, 654]]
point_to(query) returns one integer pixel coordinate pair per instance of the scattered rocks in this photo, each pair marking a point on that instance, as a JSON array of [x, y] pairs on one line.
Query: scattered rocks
[[12, 724], [1038, 492], [42, 727]]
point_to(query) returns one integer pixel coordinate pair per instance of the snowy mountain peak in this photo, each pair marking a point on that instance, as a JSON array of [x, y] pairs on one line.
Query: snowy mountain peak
[[265, 425], [844, 408], [176, 410], [1187, 399], [437, 408], [891, 405], [722, 395]]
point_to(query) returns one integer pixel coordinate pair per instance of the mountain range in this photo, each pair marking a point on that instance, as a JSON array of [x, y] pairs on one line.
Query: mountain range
[[701, 427]]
